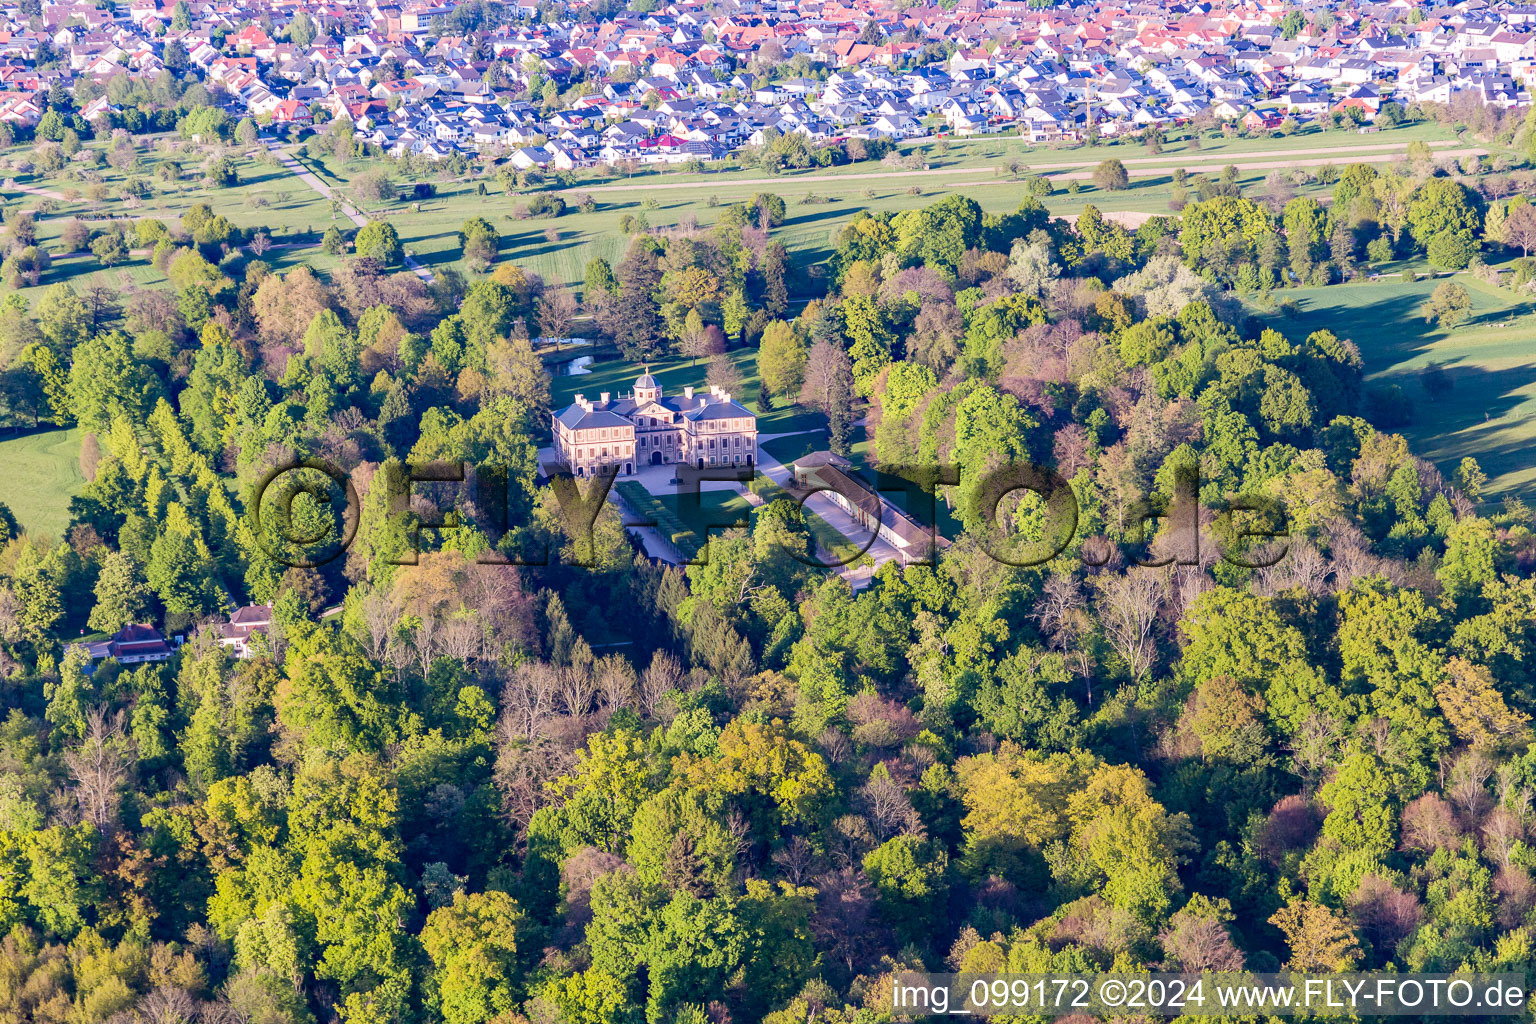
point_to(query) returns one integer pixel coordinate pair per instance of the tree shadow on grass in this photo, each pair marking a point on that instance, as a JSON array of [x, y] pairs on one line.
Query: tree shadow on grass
[[541, 246], [272, 174], [1388, 331], [438, 257], [1472, 417], [1494, 318], [829, 212]]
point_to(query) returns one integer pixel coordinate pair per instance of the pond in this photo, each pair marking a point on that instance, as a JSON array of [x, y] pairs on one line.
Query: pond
[[573, 367]]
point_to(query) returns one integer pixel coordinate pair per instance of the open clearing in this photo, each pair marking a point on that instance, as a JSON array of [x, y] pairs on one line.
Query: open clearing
[[41, 473], [1489, 412]]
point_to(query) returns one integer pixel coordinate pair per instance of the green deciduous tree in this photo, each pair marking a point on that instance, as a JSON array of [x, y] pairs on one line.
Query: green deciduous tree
[[121, 597], [938, 235], [1110, 176], [71, 696], [473, 947], [909, 876], [781, 358], [62, 318], [301, 30], [378, 240], [480, 240], [106, 380], [180, 569], [1442, 205]]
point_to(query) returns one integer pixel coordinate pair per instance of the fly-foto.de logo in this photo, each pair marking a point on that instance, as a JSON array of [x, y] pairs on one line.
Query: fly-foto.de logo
[[1166, 528]]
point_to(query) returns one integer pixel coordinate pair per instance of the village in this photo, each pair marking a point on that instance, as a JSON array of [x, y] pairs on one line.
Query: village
[[565, 86]]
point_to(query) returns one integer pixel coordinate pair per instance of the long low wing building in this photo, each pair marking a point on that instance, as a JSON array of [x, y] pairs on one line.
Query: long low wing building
[[832, 475]]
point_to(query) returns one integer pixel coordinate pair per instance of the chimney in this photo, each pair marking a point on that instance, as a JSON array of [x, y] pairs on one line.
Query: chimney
[[605, 398], [581, 399], [688, 394]]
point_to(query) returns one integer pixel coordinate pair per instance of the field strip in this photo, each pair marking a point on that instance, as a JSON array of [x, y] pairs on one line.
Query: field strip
[[1179, 159], [33, 190], [1244, 165], [1376, 153]]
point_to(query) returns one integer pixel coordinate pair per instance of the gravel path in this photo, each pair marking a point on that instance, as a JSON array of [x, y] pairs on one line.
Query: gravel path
[[326, 192]]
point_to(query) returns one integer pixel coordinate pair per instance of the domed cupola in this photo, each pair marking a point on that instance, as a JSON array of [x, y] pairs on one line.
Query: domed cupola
[[646, 388]]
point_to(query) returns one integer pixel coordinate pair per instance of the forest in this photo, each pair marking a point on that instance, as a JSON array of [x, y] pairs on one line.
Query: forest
[[607, 790]]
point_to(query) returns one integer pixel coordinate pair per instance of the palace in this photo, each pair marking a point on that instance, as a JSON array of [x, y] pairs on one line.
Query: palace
[[645, 429]]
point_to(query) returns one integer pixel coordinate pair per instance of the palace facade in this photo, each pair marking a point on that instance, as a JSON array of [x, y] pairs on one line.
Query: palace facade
[[646, 428]]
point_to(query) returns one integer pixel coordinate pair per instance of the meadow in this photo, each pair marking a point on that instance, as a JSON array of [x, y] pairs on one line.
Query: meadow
[[819, 203], [990, 169], [1489, 409], [41, 473], [268, 197]]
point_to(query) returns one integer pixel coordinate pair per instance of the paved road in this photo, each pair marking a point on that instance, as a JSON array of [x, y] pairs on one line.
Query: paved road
[[1384, 152], [325, 191]]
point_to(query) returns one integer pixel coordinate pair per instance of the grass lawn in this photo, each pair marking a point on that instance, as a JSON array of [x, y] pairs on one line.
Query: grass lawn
[[985, 151], [1490, 411], [838, 550], [818, 203], [788, 449], [42, 472]]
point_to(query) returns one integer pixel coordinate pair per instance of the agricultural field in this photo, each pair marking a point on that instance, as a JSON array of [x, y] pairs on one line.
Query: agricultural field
[[41, 473], [1489, 409]]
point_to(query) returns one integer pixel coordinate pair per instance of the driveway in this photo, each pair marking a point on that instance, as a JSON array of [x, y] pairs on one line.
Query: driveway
[[325, 191], [878, 551]]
